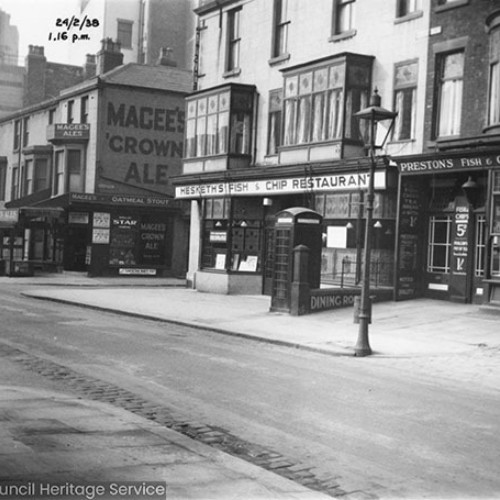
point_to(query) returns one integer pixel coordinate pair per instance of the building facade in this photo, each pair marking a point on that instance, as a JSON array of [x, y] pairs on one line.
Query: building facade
[[144, 28], [454, 240], [272, 126], [87, 175]]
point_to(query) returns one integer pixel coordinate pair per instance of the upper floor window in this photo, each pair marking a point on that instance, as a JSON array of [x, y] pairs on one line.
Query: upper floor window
[[124, 33], [70, 112], [28, 177], [26, 131], [3, 179], [405, 95], [233, 39], [280, 33], [69, 170], [41, 175], [59, 172], [450, 73], [319, 102], [343, 16], [274, 122], [406, 7], [494, 83], [15, 183], [17, 134], [52, 114], [84, 109], [219, 123]]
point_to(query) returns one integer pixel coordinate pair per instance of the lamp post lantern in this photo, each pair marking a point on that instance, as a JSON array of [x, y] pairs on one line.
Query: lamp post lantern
[[373, 114]]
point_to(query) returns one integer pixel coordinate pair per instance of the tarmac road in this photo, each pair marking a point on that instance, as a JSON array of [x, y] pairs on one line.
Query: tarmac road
[[365, 427]]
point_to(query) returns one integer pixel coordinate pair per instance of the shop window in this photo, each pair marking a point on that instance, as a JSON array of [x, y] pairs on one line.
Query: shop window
[[233, 39], [450, 72], [219, 123], [70, 111], [84, 109], [280, 33], [232, 238], [140, 240], [17, 134], [405, 94], [407, 7], [274, 121], [480, 246], [343, 17], [124, 33], [438, 252], [26, 131], [28, 177], [319, 102]]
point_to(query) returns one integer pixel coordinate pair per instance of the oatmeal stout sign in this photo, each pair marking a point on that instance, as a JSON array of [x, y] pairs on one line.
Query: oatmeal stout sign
[[143, 141]]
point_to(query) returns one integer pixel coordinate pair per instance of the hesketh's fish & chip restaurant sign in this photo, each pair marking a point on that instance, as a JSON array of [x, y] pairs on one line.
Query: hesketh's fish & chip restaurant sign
[[292, 185]]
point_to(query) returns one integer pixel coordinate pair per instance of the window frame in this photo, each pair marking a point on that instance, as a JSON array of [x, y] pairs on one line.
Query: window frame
[[84, 109], [17, 134], [233, 40], [120, 24], [407, 8], [274, 121], [402, 85], [432, 245], [281, 22], [26, 131], [339, 9], [455, 122], [70, 111]]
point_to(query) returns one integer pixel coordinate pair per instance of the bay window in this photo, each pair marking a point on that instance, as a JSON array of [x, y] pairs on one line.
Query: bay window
[[320, 100], [219, 122], [69, 170]]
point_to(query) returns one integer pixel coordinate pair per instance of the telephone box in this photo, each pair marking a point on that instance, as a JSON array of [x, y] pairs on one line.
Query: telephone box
[[294, 226]]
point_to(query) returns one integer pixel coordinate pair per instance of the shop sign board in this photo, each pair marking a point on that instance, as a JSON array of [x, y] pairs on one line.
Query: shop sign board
[[78, 218], [68, 131], [100, 236], [131, 271], [9, 216], [101, 219], [265, 187], [460, 240], [334, 298], [415, 166], [122, 200]]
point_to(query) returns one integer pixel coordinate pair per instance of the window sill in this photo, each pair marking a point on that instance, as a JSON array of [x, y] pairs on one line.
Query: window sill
[[451, 5], [232, 73], [409, 17], [401, 141], [279, 59], [342, 36]]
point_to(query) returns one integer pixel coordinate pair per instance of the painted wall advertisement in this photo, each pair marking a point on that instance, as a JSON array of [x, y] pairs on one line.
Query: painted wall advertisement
[[138, 241], [142, 141]]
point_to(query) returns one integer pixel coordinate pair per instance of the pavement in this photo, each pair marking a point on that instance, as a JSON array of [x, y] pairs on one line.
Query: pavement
[[54, 436]]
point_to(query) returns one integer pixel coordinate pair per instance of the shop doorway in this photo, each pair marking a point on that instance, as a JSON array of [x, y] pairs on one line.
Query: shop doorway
[[455, 254], [75, 250]]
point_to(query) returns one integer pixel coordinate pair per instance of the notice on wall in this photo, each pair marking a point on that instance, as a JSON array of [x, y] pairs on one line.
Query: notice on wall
[[460, 240], [123, 243], [152, 239], [409, 242]]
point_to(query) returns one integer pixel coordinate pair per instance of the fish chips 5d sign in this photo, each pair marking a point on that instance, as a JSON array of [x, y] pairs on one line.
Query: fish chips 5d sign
[[317, 183]]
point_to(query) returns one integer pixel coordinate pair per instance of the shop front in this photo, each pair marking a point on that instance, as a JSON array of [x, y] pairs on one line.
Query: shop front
[[232, 223], [31, 238], [446, 228], [123, 235]]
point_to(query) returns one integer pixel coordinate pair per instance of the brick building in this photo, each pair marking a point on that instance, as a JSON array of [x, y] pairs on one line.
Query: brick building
[[87, 174]]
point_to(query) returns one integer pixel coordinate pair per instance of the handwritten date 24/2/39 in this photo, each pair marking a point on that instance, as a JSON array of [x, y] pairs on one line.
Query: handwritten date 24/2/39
[[75, 22]]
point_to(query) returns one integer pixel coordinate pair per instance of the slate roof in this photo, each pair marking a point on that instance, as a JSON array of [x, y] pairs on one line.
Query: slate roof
[[155, 77]]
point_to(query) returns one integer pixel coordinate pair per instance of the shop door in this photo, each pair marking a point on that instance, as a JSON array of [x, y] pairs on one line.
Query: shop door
[[455, 250], [76, 249]]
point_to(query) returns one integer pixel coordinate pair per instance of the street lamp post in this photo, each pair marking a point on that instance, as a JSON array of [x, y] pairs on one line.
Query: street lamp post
[[373, 114]]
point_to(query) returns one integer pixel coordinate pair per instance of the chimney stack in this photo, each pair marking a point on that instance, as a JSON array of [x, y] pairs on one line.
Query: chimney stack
[[35, 81], [109, 57], [90, 66], [166, 58]]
